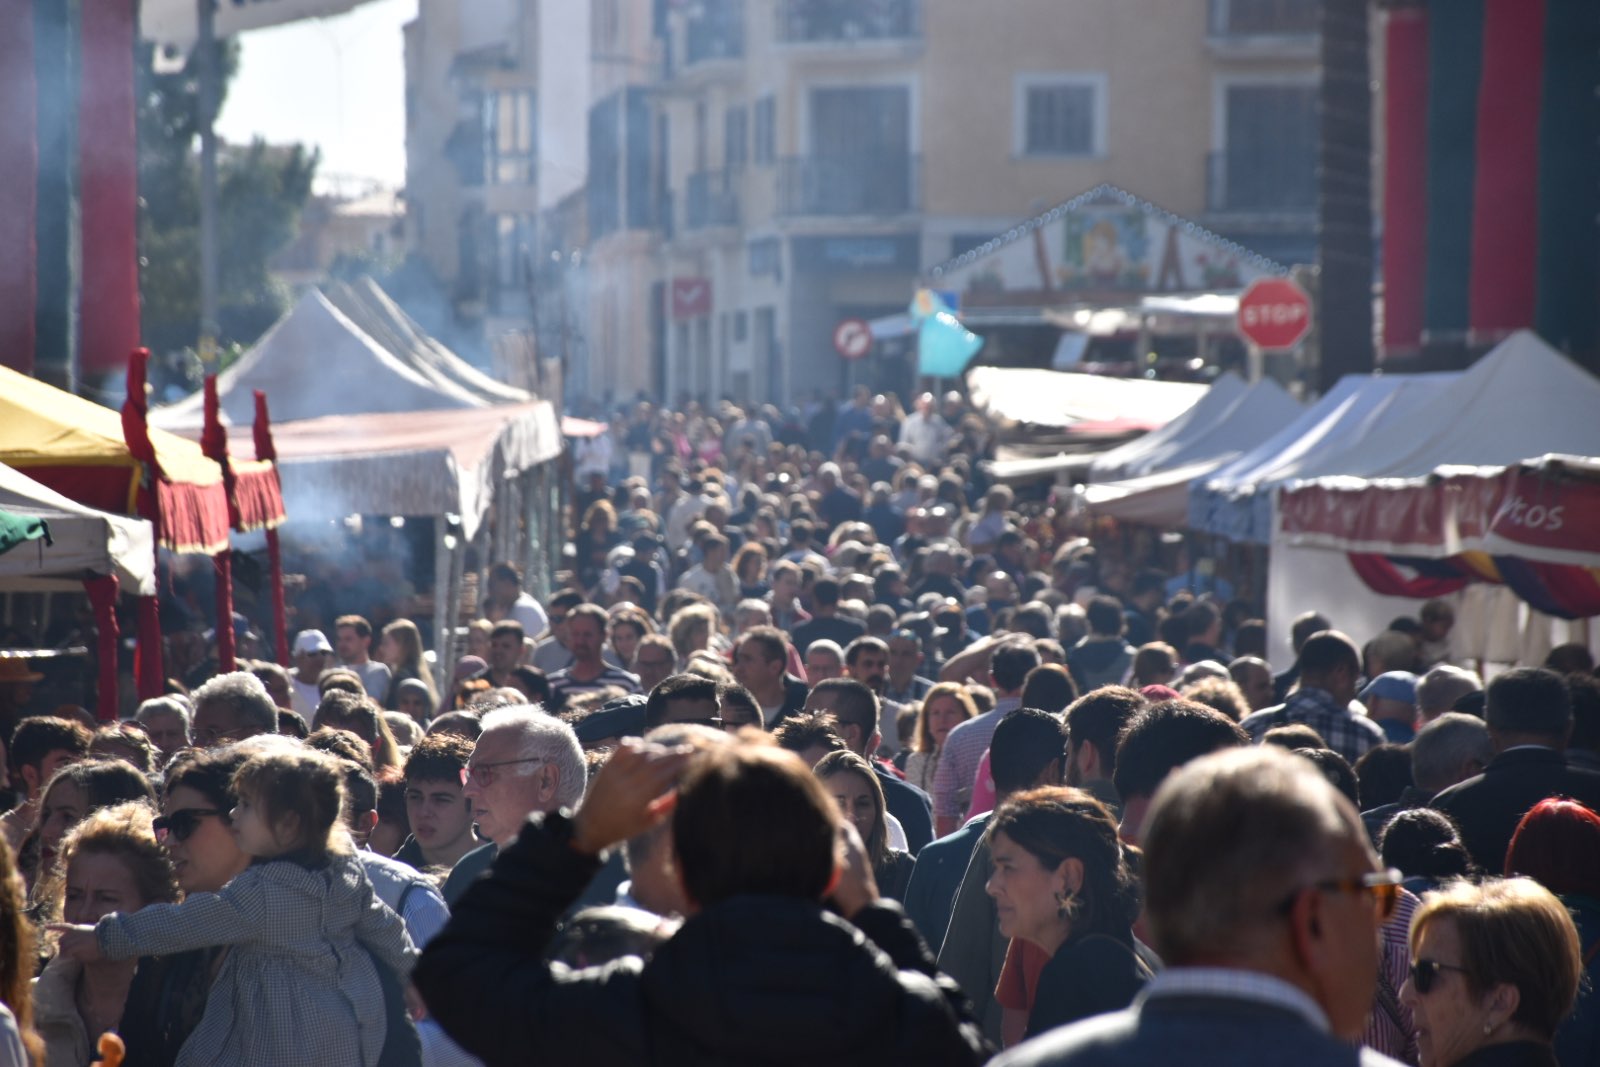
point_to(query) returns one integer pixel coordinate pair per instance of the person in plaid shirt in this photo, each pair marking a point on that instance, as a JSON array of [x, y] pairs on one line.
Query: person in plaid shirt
[[306, 930], [1330, 667]]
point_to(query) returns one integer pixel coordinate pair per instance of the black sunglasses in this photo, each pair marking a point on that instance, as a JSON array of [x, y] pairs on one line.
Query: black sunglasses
[[1424, 973], [182, 823]]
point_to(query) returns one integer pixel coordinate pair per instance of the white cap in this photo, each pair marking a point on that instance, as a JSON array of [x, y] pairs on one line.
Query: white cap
[[311, 641]]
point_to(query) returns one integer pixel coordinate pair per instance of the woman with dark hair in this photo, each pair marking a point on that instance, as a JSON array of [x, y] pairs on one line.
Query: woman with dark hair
[[750, 569], [1557, 844], [1060, 882], [168, 994], [597, 536], [856, 790], [77, 791], [1426, 847]]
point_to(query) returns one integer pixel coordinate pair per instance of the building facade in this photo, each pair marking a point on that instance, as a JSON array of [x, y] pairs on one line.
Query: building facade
[[754, 172]]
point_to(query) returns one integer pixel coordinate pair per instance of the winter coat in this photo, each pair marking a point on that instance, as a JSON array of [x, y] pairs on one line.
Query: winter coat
[[752, 980], [301, 975]]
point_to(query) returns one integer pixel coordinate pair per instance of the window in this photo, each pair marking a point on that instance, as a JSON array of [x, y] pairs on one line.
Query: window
[[735, 137], [509, 136], [1060, 115], [765, 149], [766, 257], [1270, 159], [513, 244]]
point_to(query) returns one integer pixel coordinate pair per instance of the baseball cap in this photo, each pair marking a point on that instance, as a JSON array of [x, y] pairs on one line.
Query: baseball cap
[[311, 641], [1393, 685]]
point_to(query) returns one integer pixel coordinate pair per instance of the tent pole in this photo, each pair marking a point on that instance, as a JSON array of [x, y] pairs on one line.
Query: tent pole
[[102, 592], [458, 560], [441, 595]]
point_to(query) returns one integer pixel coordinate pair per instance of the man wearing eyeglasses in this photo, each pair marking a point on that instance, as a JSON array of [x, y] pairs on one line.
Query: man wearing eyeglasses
[[232, 707], [525, 762], [1265, 900]]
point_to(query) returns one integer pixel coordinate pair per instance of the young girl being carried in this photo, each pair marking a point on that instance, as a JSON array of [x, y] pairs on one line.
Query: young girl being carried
[[293, 987]]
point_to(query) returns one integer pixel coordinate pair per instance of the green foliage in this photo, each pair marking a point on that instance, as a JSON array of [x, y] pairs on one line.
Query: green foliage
[[261, 190]]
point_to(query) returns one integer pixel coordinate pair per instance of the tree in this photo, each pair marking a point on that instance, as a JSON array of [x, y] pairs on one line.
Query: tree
[[261, 190]]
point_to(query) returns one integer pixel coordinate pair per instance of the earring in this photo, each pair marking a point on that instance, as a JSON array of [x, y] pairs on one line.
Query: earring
[[1063, 905], [1488, 1028]]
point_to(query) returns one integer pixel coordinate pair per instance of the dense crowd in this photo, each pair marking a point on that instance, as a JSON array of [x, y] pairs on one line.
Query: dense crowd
[[824, 751]]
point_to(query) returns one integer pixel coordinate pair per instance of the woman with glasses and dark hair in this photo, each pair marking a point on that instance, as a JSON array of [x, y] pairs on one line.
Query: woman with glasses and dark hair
[[849, 779], [168, 994], [1060, 883], [111, 862], [1494, 969]]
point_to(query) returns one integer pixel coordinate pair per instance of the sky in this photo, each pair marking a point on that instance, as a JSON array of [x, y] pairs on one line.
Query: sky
[[336, 83]]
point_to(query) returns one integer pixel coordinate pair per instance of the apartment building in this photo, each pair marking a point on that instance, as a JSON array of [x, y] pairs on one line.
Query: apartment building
[[472, 126]]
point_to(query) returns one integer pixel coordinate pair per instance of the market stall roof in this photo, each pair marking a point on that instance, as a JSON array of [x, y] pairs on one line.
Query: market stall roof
[[77, 448], [424, 463], [1523, 398], [1236, 501], [314, 362], [1059, 400], [1210, 434], [366, 304], [1106, 244], [81, 542]]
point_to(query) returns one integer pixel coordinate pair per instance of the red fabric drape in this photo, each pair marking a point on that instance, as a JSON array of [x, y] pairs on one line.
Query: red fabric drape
[[223, 562], [1405, 179], [1505, 209], [102, 592], [147, 673], [108, 187], [1383, 577], [19, 147], [147, 666], [266, 450]]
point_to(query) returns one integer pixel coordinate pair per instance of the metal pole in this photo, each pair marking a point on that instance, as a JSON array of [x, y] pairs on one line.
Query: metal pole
[[206, 73]]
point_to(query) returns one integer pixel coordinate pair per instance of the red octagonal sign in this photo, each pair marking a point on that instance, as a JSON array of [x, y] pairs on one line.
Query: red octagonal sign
[[1274, 313]]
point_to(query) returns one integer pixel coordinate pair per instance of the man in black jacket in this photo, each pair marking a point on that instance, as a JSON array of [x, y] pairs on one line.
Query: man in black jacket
[[1530, 718], [774, 922]]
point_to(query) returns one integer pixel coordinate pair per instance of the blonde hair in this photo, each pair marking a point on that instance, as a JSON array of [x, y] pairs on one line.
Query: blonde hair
[[124, 831], [1516, 931], [409, 638], [682, 625]]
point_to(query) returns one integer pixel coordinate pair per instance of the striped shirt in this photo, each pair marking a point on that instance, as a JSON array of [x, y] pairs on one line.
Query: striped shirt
[[563, 685], [959, 758]]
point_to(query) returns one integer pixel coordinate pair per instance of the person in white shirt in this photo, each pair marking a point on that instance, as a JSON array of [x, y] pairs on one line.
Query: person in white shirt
[[711, 578], [510, 601], [926, 433], [312, 653]]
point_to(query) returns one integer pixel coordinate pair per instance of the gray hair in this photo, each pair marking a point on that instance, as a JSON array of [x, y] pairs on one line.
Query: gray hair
[[242, 692], [1229, 836], [162, 706], [1441, 687], [1444, 745], [544, 737]]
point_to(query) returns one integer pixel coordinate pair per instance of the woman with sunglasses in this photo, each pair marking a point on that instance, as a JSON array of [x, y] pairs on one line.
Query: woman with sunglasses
[[1060, 883], [1494, 970], [112, 862], [169, 993]]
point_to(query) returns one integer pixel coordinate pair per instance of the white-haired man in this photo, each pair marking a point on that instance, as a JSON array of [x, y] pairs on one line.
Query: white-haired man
[[524, 762]]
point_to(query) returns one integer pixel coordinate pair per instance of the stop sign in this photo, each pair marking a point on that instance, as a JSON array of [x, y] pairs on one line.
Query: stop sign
[[1274, 313]]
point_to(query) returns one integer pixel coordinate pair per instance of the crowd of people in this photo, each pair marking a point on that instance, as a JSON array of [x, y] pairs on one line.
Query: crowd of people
[[824, 750]]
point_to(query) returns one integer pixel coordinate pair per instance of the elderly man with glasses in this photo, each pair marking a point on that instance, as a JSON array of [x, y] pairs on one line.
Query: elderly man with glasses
[[525, 762]]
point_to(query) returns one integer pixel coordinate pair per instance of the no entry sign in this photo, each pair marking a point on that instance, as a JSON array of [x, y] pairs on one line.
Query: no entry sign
[[852, 338], [1274, 313]]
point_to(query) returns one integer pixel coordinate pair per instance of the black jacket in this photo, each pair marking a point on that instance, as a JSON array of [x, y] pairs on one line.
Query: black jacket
[[1488, 807], [912, 806], [1087, 976], [769, 980]]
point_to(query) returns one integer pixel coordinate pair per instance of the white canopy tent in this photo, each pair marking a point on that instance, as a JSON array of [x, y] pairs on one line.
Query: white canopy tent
[[1057, 399], [1236, 501], [1155, 488], [83, 543]]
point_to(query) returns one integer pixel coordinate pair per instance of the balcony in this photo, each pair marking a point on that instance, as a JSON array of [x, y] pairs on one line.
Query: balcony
[[714, 31], [881, 184], [803, 22], [1270, 186], [710, 200], [1283, 29]]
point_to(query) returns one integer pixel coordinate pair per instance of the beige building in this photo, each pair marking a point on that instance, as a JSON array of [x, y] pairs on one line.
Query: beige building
[[366, 230], [698, 193]]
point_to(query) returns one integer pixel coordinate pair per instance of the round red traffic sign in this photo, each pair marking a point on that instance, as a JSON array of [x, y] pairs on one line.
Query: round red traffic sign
[[1274, 313], [852, 338]]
